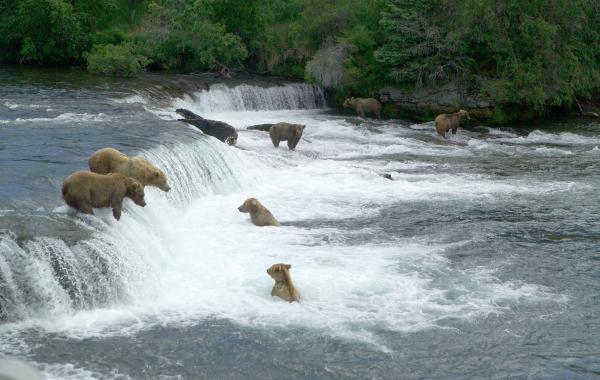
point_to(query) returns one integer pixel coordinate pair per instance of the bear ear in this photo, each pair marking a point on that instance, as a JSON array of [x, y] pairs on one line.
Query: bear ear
[[302, 126], [156, 175], [136, 187], [288, 266]]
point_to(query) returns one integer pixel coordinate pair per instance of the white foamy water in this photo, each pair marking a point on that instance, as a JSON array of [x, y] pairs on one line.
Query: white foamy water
[[191, 255], [563, 138]]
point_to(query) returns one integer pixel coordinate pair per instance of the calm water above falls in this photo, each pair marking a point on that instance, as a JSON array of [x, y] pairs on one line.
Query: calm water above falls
[[479, 259]]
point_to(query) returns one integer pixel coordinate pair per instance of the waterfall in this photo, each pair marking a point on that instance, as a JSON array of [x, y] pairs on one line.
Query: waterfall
[[44, 276], [117, 262], [220, 98]]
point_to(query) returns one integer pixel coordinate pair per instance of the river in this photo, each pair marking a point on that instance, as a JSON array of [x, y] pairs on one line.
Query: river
[[479, 259]]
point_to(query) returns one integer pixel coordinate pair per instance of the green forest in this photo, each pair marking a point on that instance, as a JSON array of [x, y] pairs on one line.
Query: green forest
[[525, 56]]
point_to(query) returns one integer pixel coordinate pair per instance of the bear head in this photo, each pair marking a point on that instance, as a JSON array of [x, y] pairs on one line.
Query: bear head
[[250, 205], [278, 271], [158, 179], [297, 130], [463, 113], [350, 102], [135, 191]]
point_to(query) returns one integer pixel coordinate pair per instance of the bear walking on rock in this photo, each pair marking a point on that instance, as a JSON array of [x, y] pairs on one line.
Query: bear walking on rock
[[449, 121], [109, 160], [259, 214], [86, 191], [286, 132], [362, 106], [284, 287]]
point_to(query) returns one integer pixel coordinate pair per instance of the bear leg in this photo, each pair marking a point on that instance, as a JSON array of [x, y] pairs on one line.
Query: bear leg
[[117, 213], [117, 205], [275, 139], [454, 131], [86, 208]]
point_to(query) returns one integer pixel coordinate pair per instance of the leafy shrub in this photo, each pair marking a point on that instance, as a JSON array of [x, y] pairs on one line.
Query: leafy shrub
[[120, 60]]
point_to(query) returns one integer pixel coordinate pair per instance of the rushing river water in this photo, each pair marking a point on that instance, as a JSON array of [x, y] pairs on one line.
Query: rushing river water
[[479, 259]]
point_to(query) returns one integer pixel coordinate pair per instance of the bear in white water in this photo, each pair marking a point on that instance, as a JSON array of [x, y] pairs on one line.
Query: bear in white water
[[284, 287]]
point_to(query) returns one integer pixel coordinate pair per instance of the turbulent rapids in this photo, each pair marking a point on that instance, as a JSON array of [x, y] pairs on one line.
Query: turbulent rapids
[[459, 246]]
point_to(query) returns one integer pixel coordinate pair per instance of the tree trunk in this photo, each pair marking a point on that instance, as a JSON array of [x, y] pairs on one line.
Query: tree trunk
[[133, 8]]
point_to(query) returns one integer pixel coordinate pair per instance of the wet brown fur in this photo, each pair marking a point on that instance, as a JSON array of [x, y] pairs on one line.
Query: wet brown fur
[[86, 191], [286, 132], [449, 121], [259, 214], [109, 160], [362, 106], [284, 287]]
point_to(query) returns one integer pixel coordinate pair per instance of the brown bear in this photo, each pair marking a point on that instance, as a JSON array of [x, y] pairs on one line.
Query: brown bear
[[109, 160], [286, 131], [446, 121], [85, 191], [362, 106], [259, 214], [284, 287]]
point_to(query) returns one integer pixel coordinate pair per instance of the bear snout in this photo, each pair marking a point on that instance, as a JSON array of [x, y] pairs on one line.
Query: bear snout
[[165, 188]]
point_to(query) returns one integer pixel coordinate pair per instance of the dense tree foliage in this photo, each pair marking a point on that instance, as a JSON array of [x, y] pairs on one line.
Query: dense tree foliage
[[525, 55], [521, 54]]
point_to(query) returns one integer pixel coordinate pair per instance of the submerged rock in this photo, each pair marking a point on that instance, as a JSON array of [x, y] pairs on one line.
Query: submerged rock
[[215, 128]]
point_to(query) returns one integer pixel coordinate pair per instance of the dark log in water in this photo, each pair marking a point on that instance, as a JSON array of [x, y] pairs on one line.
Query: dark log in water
[[260, 127], [215, 128]]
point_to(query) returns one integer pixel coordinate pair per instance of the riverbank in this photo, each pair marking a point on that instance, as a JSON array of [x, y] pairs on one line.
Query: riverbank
[[419, 106]]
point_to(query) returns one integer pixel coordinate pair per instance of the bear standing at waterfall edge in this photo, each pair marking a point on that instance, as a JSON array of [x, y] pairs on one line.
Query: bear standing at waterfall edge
[[286, 132], [85, 191], [109, 160]]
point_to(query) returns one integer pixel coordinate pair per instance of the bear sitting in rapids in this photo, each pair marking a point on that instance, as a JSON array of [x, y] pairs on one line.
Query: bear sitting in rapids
[[284, 287], [109, 160], [259, 214]]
